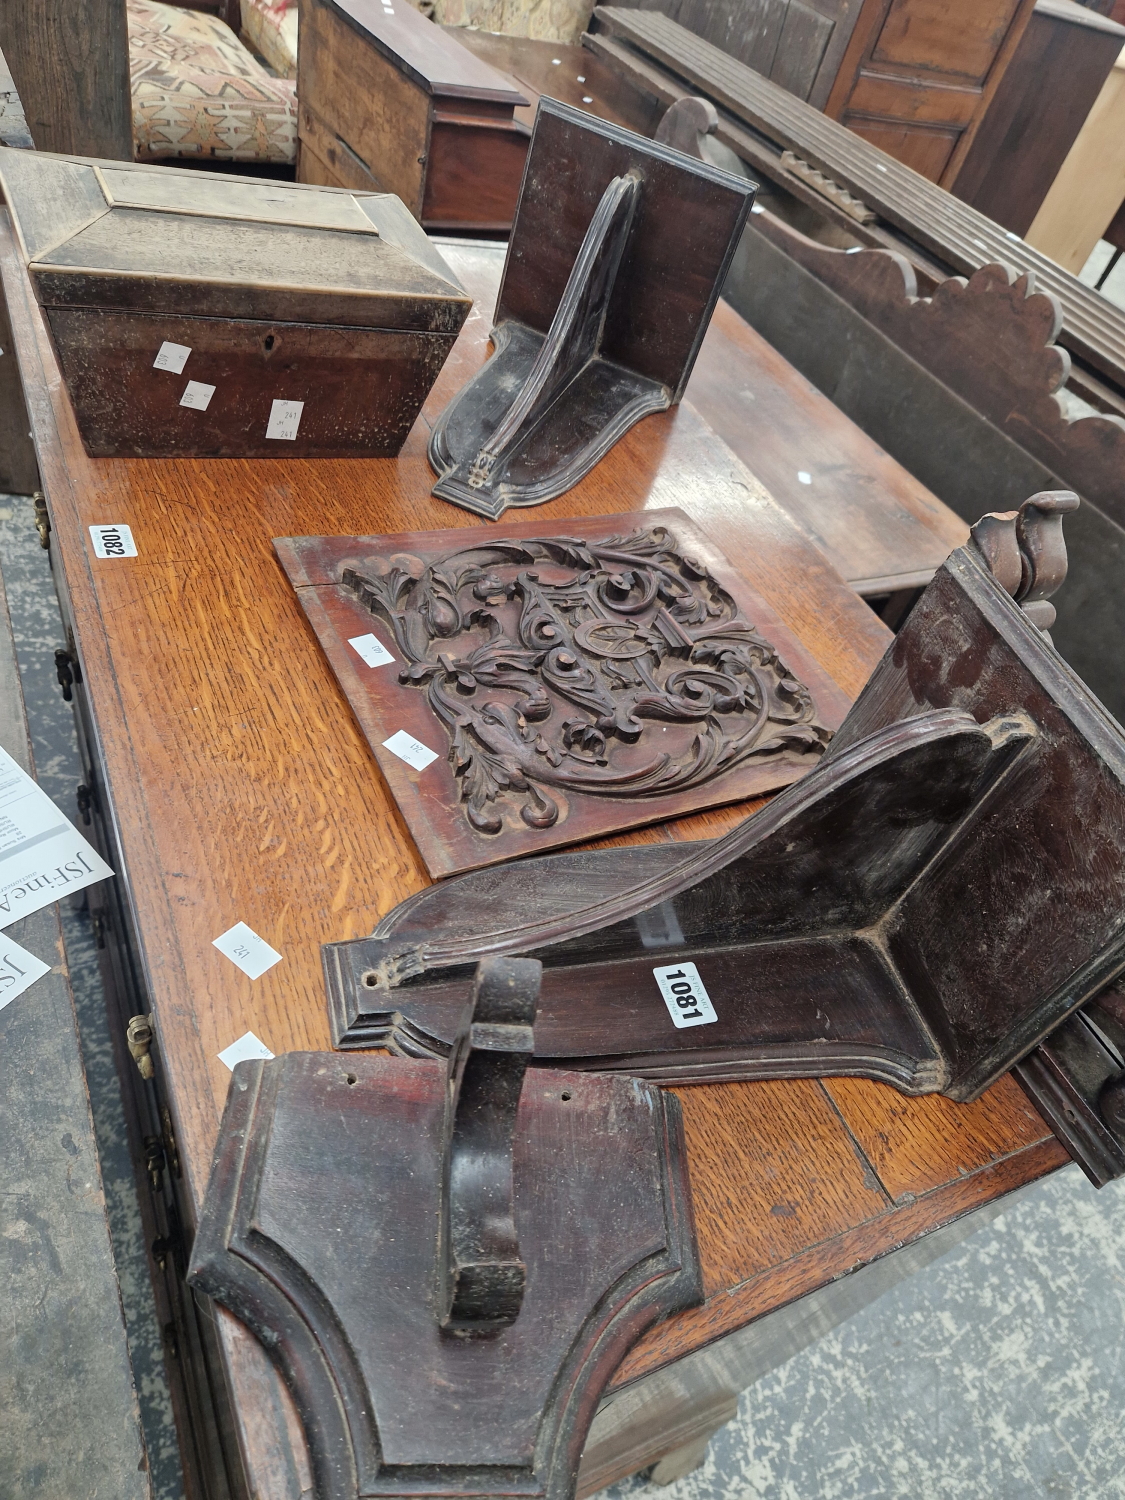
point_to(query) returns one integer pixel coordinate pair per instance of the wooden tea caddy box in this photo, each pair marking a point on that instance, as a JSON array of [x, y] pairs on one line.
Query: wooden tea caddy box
[[205, 316], [389, 102]]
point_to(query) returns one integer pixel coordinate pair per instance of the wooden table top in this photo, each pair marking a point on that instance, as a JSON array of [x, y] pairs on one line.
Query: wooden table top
[[242, 790]]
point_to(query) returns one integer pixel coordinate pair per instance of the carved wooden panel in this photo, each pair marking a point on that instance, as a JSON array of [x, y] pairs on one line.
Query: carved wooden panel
[[566, 686]]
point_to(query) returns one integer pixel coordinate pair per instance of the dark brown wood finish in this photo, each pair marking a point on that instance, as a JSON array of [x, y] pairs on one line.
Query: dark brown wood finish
[[760, 121], [618, 254], [269, 292], [569, 687], [389, 102], [71, 67], [233, 784], [919, 75], [566, 71], [1056, 73], [329, 1256], [864, 923]]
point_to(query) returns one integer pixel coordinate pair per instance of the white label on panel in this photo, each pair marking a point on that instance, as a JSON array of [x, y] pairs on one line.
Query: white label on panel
[[113, 541], [285, 418], [197, 395], [685, 996], [18, 970], [171, 357], [371, 648], [245, 1049], [244, 947], [412, 751]]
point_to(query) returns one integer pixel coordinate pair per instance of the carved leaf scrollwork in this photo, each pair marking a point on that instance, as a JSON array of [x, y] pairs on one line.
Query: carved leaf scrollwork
[[618, 668]]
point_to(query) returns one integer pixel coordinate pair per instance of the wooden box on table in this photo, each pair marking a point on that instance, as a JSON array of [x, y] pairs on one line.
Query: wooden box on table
[[233, 317], [389, 102]]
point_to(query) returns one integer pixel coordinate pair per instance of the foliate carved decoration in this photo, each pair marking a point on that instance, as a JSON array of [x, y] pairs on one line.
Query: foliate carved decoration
[[560, 665]]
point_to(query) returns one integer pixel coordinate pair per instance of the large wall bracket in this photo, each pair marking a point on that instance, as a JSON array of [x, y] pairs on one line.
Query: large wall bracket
[[920, 908]]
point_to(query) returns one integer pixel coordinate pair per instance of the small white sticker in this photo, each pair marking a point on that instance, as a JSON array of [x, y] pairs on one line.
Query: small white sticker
[[285, 418], [371, 648], [586, 99], [113, 541], [246, 1049], [412, 751], [685, 996], [244, 947], [803, 477], [581, 78], [197, 395], [172, 357], [18, 970]]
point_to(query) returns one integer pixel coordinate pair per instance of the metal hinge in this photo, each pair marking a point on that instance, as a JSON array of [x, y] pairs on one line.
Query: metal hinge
[[64, 673], [139, 1034], [42, 519], [84, 797]]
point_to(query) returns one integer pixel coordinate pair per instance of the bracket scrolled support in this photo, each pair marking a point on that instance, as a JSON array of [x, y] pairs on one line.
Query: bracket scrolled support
[[1025, 551], [480, 1271]]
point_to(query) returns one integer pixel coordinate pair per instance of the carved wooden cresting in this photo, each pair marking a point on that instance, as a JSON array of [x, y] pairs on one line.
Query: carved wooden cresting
[[569, 685], [447, 1260], [618, 253], [941, 891]]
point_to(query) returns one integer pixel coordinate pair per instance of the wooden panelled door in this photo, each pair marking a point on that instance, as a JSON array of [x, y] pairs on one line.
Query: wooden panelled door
[[919, 74]]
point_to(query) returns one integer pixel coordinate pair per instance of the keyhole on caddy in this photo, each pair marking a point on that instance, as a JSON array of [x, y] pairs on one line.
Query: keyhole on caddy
[[269, 341], [349, 1079]]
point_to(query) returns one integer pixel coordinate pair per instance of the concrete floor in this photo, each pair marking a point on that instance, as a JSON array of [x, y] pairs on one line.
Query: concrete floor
[[995, 1372]]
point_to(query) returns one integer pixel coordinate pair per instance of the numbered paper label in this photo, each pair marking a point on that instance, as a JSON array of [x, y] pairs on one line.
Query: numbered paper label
[[113, 541], [197, 395], [285, 418], [371, 648], [412, 751], [685, 996], [244, 947], [245, 1049], [18, 970], [172, 357]]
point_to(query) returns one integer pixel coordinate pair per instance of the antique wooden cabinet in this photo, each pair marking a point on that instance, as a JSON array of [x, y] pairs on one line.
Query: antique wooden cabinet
[[389, 102], [231, 316], [913, 76]]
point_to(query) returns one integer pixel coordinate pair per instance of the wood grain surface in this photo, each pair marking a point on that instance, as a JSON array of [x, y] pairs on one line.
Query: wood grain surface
[[242, 790]]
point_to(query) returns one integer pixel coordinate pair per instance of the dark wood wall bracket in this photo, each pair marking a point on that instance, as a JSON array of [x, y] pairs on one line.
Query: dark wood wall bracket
[[919, 908], [470, 1360], [617, 257]]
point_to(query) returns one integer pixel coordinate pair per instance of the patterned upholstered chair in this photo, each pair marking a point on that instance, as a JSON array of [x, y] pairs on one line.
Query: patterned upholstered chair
[[198, 93], [270, 27]]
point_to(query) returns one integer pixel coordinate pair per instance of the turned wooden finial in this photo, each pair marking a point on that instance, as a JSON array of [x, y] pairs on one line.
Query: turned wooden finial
[[1025, 551]]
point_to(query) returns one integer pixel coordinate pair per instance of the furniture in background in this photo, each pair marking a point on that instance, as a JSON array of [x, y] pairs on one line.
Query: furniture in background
[[71, 67], [919, 76], [70, 1423], [851, 193], [915, 77], [391, 103], [1044, 100], [315, 852], [199, 96], [1089, 189], [270, 28]]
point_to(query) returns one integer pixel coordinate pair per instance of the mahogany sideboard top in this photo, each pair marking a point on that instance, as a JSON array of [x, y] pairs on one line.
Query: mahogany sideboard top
[[240, 789]]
